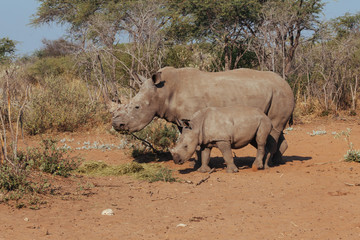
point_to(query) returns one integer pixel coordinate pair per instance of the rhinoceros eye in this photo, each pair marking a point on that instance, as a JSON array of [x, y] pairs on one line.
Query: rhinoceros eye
[[137, 107]]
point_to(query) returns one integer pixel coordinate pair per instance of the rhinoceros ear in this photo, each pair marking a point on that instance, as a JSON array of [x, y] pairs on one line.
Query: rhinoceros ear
[[157, 78], [186, 123]]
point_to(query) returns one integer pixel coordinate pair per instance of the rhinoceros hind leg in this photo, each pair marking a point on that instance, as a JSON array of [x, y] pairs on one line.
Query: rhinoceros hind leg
[[282, 146]]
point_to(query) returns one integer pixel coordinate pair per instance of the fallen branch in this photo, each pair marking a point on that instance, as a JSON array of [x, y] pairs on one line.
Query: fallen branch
[[146, 142], [206, 178]]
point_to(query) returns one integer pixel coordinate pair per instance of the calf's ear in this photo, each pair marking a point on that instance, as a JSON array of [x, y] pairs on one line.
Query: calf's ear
[[186, 123]]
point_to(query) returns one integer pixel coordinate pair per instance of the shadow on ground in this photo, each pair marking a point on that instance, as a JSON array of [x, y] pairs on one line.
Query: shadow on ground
[[240, 162], [152, 157], [296, 158]]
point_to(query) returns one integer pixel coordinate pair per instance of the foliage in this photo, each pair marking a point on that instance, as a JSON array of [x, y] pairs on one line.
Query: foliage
[[224, 23], [322, 66], [7, 48], [51, 67], [352, 155], [51, 159], [13, 178], [21, 178], [279, 32], [56, 48], [345, 25], [150, 172], [63, 106], [159, 134], [179, 56]]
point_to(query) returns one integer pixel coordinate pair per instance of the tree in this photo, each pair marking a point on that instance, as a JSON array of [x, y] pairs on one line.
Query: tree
[[330, 64], [101, 26], [7, 48], [280, 32], [227, 24]]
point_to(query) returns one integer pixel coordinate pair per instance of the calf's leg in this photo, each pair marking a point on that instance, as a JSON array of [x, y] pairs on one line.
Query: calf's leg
[[197, 161], [225, 148], [205, 159]]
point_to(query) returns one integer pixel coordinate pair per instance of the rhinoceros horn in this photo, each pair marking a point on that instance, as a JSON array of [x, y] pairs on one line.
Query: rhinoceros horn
[[112, 106]]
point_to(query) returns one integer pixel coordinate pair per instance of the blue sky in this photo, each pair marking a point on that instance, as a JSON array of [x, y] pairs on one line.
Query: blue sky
[[15, 16]]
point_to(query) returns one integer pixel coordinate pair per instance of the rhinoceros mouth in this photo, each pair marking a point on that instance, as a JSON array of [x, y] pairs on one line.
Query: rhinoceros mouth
[[120, 128], [177, 159]]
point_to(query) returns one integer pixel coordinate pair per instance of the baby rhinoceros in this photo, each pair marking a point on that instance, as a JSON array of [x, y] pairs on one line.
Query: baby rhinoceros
[[224, 128]]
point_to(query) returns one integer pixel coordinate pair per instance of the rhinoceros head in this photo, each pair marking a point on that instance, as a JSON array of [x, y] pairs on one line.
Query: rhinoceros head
[[139, 112], [185, 146]]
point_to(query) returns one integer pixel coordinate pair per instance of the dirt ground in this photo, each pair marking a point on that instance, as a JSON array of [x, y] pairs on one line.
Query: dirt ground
[[314, 195]]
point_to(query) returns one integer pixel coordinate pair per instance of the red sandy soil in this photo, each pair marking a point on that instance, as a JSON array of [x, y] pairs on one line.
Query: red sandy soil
[[315, 195]]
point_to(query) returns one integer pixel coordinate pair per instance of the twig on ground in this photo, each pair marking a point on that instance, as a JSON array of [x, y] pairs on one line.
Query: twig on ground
[[325, 163], [206, 178], [243, 167], [352, 184], [294, 224]]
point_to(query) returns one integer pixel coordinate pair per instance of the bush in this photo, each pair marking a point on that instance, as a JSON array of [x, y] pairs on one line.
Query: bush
[[62, 106], [352, 155], [51, 159], [51, 66], [13, 178], [160, 134], [21, 179]]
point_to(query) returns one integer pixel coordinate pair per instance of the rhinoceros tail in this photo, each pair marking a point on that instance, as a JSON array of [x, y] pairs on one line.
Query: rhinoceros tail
[[291, 120]]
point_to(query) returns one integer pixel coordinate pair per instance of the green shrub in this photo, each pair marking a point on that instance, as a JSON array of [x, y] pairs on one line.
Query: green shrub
[[352, 155], [160, 134], [20, 179], [62, 106], [51, 66], [51, 159], [13, 178]]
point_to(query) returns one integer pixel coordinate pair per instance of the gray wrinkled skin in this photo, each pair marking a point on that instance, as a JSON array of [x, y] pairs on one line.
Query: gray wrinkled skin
[[176, 94], [224, 128]]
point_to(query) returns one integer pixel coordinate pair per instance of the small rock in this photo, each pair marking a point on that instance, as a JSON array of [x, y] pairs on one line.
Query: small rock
[[108, 212], [26, 219], [181, 225]]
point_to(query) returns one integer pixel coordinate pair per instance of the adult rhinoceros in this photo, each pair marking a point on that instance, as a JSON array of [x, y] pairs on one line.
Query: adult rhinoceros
[[176, 94]]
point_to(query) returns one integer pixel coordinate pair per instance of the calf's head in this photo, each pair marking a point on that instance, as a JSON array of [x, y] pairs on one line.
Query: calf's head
[[185, 146]]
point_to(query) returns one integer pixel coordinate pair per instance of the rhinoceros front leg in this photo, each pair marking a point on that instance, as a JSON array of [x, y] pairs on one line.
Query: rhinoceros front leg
[[205, 159], [197, 160], [225, 148]]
